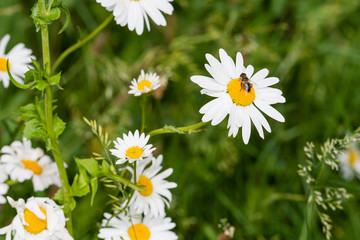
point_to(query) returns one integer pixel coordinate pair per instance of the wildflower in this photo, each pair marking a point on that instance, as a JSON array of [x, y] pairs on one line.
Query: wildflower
[[239, 94], [3, 186], [37, 219], [134, 12], [132, 147], [22, 162], [134, 227], [146, 82], [156, 194], [350, 163], [19, 58]]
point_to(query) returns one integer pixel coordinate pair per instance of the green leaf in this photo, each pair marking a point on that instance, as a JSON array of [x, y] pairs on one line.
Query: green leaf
[[55, 79], [35, 13], [80, 186], [28, 111], [105, 168], [90, 164], [59, 196], [68, 18], [35, 128], [94, 186], [59, 126], [54, 14]]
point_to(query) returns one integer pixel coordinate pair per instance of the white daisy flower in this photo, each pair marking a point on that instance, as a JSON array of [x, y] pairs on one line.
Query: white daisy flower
[[350, 163], [134, 12], [37, 219], [19, 59], [3, 186], [132, 147], [133, 227], [145, 83], [22, 162], [156, 193], [239, 94]]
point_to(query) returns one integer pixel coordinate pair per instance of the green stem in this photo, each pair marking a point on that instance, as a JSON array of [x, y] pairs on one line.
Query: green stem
[[143, 113], [178, 129], [81, 42], [49, 116]]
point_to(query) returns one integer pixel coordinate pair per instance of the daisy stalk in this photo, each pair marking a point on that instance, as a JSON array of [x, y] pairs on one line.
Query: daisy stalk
[[79, 44], [49, 117], [177, 129]]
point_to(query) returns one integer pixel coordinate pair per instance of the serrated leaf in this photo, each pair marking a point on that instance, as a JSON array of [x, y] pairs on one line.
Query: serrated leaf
[[90, 164], [94, 186], [59, 196], [54, 14], [55, 79], [80, 186], [28, 111], [59, 126], [35, 128], [35, 13]]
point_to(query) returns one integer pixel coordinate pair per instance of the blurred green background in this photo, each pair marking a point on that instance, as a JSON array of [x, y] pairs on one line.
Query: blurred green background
[[313, 46]]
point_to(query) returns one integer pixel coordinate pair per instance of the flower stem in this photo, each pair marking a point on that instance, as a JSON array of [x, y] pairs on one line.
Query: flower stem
[[169, 129], [81, 42], [49, 116], [143, 117]]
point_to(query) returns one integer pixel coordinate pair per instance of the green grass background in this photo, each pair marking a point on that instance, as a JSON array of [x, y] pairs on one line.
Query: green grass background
[[313, 46]]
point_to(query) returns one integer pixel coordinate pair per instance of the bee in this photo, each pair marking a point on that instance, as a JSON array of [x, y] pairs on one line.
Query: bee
[[245, 82]]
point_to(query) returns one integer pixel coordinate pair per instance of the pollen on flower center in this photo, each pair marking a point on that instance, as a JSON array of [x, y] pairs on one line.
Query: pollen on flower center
[[144, 181], [143, 84], [33, 166], [3, 63], [238, 94], [134, 152], [36, 225], [139, 231], [352, 157]]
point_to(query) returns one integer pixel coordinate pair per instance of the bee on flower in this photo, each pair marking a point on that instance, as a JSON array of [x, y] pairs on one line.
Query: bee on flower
[[22, 162], [239, 93], [350, 163], [18, 58], [36, 219]]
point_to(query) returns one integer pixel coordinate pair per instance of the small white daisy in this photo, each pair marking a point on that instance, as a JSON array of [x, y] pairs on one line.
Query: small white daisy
[[22, 162], [134, 12], [133, 227], [156, 193], [37, 219], [145, 83], [350, 163], [19, 59], [3, 186], [239, 94], [132, 147]]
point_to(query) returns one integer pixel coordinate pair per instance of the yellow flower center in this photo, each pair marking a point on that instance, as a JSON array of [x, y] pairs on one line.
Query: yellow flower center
[[148, 187], [352, 157], [139, 231], [134, 152], [36, 225], [143, 84], [238, 94], [33, 166], [3, 63]]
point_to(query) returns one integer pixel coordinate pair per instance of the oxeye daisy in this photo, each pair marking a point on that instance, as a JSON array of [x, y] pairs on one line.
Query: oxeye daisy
[[134, 227], [156, 193], [240, 94], [350, 163], [145, 83], [19, 59], [3, 186], [135, 12], [37, 219], [132, 147], [22, 162]]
